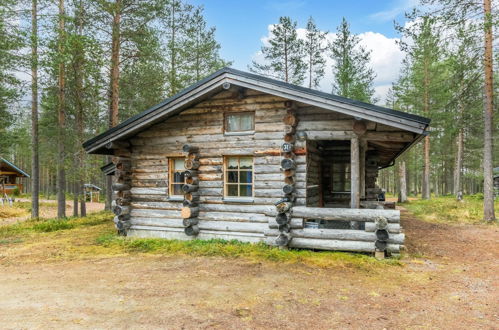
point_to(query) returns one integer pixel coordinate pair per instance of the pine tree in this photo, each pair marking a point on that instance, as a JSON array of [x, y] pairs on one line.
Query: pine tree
[[202, 48], [175, 19], [315, 49], [284, 55], [352, 76], [10, 44]]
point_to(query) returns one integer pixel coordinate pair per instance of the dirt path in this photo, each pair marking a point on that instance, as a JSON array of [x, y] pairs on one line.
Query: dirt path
[[449, 282]]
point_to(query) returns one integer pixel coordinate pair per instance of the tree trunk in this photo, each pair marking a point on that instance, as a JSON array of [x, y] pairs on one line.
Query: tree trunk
[[426, 146], [75, 198], [115, 90], [403, 183], [459, 162], [488, 180], [35, 162], [80, 115], [61, 173]]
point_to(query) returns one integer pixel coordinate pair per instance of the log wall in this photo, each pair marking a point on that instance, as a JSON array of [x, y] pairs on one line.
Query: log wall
[[154, 214]]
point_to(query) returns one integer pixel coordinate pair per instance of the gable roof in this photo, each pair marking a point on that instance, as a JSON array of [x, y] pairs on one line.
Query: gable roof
[[5, 165], [213, 84]]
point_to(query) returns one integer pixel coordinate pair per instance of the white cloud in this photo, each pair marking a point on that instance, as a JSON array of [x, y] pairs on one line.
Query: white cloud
[[386, 60], [399, 7]]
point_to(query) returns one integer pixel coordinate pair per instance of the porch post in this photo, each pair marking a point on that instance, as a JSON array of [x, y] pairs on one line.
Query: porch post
[[355, 173], [363, 150]]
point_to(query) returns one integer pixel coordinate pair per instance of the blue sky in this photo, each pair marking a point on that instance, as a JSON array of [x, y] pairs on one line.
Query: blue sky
[[241, 24]]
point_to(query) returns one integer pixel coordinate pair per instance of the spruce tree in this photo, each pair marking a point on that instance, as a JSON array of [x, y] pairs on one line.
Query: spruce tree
[[284, 55], [352, 76], [202, 48], [315, 48]]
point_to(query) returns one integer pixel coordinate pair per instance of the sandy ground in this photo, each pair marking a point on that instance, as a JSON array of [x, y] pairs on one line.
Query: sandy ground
[[449, 281], [48, 212]]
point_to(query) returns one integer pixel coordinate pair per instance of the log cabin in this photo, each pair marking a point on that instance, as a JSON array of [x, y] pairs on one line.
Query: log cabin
[[9, 174], [245, 157]]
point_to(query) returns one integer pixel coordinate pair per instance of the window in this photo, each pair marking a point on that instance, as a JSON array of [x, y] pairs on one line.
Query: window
[[238, 177], [176, 176], [240, 122], [340, 176]]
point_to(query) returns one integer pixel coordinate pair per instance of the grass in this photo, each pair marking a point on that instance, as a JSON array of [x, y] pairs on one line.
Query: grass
[[446, 209], [21, 209], [7, 212], [95, 236]]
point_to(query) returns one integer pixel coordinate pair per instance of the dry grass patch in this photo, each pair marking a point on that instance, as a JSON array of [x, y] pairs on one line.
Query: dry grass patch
[[448, 210], [94, 236], [8, 212]]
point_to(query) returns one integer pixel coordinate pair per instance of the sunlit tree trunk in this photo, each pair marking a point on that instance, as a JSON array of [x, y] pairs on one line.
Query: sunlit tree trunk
[[488, 182]]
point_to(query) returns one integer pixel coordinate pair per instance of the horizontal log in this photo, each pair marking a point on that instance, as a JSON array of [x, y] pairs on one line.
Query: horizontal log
[[233, 216], [192, 181], [225, 226], [343, 214], [178, 233], [187, 188], [149, 191], [189, 212], [239, 208], [191, 164], [117, 145], [189, 148], [288, 164], [339, 234], [121, 186], [188, 203], [191, 230], [155, 213], [190, 173], [335, 245], [295, 223], [392, 227], [186, 222], [192, 196], [156, 205], [121, 210]]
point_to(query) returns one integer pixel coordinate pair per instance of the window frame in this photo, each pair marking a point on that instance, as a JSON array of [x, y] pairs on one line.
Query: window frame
[[226, 123], [171, 171], [238, 198]]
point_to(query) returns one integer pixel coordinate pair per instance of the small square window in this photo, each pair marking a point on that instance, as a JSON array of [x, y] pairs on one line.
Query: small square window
[[240, 122]]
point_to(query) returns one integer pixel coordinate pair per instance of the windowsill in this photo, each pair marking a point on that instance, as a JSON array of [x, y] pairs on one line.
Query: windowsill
[[176, 198], [238, 200], [239, 133]]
